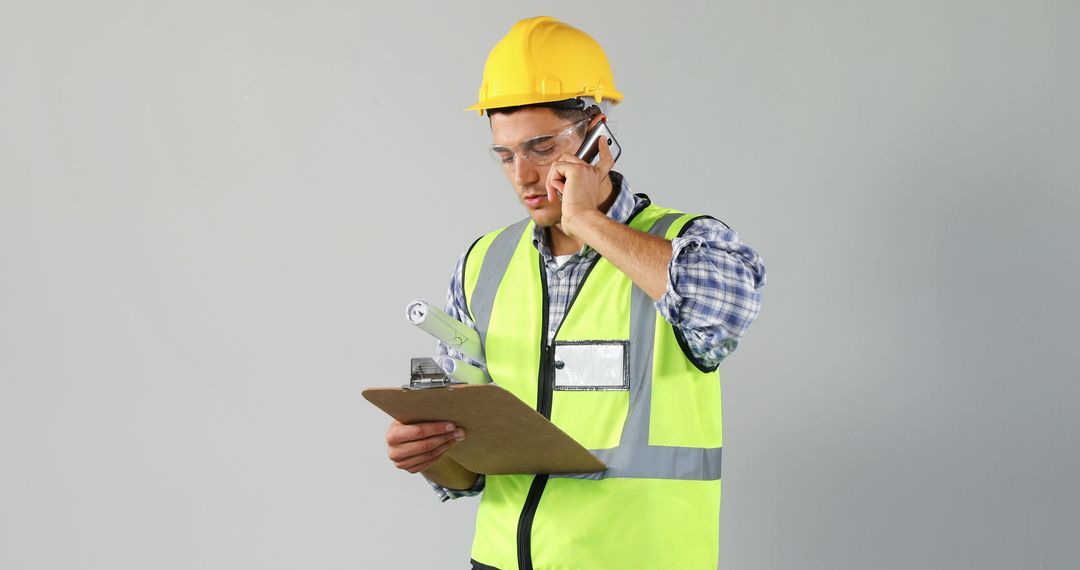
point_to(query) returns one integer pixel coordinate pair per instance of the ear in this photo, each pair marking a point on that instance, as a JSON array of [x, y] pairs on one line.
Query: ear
[[596, 120]]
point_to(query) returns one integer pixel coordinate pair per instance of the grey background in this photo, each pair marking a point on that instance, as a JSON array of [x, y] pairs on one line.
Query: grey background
[[213, 213]]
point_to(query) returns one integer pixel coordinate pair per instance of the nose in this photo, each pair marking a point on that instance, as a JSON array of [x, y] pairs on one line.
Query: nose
[[524, 172]]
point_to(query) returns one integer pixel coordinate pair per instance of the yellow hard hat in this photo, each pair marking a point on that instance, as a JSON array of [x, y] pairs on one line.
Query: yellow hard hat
[[543, 60]]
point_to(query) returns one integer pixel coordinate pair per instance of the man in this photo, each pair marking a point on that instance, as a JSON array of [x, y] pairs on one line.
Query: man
[[607, 313]]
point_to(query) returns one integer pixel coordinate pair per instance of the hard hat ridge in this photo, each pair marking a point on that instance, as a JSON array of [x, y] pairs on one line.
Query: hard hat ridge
[[543, 60]]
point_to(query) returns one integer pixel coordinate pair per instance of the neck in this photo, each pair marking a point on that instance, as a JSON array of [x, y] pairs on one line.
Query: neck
[[562, 244]]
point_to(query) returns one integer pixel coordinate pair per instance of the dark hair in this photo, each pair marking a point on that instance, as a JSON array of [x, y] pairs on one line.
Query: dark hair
[[570, 109]]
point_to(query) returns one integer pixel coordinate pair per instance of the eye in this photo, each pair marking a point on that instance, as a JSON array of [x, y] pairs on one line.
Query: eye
[[543, 151], [503, 155]]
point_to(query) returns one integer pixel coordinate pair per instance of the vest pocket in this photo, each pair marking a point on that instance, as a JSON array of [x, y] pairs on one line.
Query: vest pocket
[[592, 365], [591, 390]]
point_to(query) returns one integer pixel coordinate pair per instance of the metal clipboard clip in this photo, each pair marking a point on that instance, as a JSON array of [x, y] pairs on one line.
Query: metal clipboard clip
[[425, 373]]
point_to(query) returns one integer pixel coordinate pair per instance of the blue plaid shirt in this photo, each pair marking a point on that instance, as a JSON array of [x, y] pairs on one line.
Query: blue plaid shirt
[[713, 294]]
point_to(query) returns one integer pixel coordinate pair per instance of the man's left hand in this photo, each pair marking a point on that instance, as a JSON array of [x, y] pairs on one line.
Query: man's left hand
[[580, 183]]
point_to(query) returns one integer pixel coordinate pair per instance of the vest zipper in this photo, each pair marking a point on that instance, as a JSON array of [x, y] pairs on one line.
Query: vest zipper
[[545, 387], [544, 383]]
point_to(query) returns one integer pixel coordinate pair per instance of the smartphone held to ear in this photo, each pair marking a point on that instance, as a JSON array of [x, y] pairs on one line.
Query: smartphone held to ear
[[590, 149]]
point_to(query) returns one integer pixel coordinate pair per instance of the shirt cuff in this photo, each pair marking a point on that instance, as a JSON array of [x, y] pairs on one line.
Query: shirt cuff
[[451, 494]]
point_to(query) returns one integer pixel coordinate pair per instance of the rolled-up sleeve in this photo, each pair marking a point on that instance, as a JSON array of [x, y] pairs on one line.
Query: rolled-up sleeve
[[450, 494], [714, 289]]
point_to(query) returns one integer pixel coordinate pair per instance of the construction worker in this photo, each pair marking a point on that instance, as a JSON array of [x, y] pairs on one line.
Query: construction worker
[[607, 313]]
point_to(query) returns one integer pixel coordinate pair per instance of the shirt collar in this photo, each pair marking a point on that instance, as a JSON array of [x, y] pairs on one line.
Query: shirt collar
[[620, 211]]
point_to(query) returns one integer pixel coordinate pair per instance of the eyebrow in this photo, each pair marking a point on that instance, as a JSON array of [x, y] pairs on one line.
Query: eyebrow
[[527, 144], [537, 140]]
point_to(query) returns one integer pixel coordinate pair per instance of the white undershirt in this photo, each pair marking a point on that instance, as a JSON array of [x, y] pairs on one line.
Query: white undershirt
[[561, 260]]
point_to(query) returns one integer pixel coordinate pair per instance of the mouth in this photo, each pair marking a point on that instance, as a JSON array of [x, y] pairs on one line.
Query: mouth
[[534, 200]]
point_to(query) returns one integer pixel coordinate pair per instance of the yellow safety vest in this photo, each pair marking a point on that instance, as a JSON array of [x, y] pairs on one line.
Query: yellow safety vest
[[620, 380]]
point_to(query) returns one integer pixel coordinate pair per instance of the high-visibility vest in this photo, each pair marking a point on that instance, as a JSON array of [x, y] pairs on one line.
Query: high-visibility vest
[[620, 380]]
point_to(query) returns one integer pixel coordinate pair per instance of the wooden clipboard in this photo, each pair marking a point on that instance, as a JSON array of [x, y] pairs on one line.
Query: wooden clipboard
[[505, 436]]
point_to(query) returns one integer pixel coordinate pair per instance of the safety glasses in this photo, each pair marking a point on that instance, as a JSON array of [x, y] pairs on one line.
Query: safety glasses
[[540, 150]]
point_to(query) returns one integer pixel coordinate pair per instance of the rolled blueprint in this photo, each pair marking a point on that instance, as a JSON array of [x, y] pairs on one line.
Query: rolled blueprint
[[463, 371], [442, 326]]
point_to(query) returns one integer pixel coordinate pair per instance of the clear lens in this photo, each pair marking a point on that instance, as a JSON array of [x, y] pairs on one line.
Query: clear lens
[[539, 150]]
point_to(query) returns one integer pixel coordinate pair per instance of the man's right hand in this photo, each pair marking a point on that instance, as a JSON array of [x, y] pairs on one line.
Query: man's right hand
[[416, 447]]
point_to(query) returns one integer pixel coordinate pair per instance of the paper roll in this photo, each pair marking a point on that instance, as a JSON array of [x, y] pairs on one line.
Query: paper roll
[[463, 371], [442, 326]]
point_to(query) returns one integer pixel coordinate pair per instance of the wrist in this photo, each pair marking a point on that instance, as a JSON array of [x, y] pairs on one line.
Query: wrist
[[584, 223]]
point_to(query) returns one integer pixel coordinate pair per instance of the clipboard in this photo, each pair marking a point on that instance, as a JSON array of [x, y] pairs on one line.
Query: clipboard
[[505, 435]]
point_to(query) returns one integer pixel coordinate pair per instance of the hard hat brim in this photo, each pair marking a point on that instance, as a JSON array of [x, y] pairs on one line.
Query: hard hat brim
[[533, 99]]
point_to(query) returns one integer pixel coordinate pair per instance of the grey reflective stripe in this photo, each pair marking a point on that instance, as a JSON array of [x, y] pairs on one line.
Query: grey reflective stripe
[[656, 462], [492, 268], [634, 457], [642, 330]]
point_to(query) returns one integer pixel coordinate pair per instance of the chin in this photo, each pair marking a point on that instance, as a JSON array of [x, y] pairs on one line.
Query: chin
[[544, 218]]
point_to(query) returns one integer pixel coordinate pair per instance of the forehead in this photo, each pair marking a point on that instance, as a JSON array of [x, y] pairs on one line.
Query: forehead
[[522, 125]]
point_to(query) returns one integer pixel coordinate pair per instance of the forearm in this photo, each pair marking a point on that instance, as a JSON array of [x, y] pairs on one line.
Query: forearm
[[641, 256], [450, 474]]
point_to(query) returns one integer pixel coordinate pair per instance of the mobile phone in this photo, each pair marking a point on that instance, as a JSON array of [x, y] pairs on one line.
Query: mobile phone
[[590, 149]]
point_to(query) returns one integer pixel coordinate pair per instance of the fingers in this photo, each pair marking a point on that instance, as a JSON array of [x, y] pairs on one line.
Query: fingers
[[425, 465], [607, 161], [415, 447], [556, 180], [571, 158], [403, 451], [555, 184], [400, 433], [419, 462], [582, 173]]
